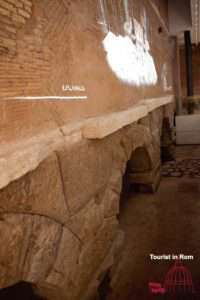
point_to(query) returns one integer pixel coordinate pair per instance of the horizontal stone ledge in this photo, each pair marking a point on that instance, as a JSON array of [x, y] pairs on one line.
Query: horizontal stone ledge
[[100, 127], [17, 159], [155, 103]]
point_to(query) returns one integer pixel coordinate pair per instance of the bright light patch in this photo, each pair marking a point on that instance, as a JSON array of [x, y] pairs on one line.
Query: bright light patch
[[129, 61]]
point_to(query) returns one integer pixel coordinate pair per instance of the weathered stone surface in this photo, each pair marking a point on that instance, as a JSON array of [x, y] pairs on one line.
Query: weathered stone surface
[[119, 242], [168, 112], [145, 121], [86, 167], [111, 203], [94, 253], [78, 190], [29, 248], [63, 273], [98, 128], [120, 157], [156, 117], [86, 223], [17, 159], [42, 249], [153, 104], [14, 233], [106, 265], [115, 181], [39, 192]]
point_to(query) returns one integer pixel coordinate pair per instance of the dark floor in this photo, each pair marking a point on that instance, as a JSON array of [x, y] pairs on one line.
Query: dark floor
[[167, 222]]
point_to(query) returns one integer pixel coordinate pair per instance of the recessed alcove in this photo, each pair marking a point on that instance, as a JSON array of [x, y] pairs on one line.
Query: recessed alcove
[[19, 291]]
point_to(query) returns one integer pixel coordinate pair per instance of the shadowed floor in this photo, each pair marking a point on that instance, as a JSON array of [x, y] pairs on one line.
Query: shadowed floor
[[167, 222]]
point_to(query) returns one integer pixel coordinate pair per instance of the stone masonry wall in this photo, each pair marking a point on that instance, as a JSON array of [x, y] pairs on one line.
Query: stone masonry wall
[[60, 191], [58, 223]]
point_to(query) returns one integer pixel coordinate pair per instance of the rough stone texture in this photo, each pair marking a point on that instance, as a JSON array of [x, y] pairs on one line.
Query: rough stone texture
[[39, 192], [86, 167], [94, 254], [60, 194], [63, 273], [28, 249], [111, 203], [14, 232], [85, 224], [103, 126], [156, 118], [42, 249], [61, 219]]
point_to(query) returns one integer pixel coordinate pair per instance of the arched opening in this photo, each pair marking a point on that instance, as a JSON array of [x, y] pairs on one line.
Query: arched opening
[[19, 291], [138, 175], [140, 161]]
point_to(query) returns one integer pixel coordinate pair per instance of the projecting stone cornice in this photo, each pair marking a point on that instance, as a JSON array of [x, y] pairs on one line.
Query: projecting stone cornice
[[100, 127], [20, 158]]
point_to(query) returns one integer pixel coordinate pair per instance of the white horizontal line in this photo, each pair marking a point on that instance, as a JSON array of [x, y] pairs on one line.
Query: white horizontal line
[[50, 97]]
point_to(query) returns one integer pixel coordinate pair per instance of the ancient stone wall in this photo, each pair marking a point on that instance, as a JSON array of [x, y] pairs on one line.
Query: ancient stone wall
[[62, 162], [58, 223]]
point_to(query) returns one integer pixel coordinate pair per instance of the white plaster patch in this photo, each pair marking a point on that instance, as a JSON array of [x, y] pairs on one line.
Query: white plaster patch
[[129, 60]]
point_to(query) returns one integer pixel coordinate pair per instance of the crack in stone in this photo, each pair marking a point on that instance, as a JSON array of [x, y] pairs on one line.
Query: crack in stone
[[63, 225], [57, 247], [27, 249], [62, 181], [74, 234], [31, 214]]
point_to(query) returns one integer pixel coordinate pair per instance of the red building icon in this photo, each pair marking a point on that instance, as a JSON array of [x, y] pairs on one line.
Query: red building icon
[[179, 280], [178, 284]]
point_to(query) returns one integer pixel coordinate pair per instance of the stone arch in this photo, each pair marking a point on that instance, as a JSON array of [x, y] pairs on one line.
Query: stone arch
[[141, 164], [140, 161], [143, 169], [138, 175]]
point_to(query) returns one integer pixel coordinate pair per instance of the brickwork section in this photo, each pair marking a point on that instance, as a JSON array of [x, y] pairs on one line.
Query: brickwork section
[[51, 43], [13, 14]]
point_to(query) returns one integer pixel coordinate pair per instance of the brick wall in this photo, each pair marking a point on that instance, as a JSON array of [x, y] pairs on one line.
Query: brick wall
[[45, 44], [13, 14]]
